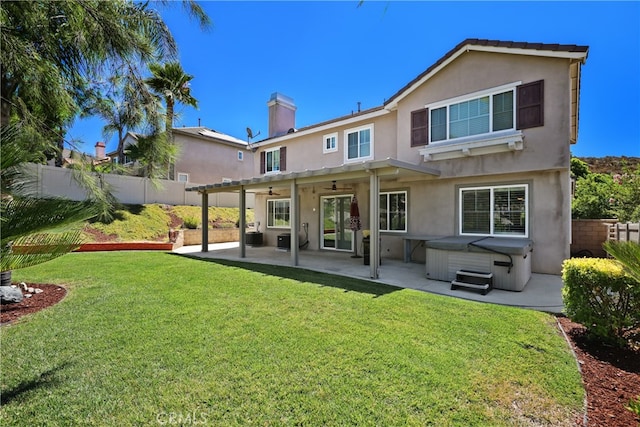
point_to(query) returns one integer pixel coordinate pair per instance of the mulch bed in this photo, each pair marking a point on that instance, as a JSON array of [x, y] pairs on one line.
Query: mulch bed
[[611, 376], [51, 295]]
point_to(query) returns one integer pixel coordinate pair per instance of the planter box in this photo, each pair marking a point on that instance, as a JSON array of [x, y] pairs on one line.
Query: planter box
[[125, 246], [216, 235]]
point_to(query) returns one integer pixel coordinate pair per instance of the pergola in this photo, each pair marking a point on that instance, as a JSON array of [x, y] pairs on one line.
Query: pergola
[[373, 171]]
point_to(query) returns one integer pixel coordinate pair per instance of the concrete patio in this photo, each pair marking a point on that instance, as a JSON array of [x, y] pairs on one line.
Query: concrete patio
[[543, 292]]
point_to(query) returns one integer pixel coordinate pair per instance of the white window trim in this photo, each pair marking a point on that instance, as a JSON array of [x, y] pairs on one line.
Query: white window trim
[[240, 156], [346, 145], [182, 174], [492, 213], [468, 97], [406, 211], [326, 150], [288, 227], [266, 172]]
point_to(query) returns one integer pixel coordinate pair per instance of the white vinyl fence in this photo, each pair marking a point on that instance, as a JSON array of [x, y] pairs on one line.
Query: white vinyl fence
[[53, 181]]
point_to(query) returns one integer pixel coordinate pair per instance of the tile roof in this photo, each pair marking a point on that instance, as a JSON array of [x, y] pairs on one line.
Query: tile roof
[[479, 43], [549, 47]]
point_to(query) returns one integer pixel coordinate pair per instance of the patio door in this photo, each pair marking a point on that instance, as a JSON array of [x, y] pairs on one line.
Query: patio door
[[334, 223]]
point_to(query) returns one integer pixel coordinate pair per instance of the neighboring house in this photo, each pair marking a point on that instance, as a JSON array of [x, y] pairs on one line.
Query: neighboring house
[[71, 157], [475, 151], [205, 155]]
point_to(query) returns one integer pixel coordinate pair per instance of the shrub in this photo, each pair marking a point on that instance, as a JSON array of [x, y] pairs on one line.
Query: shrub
[[598, 294], [191, 222], [634, 406]]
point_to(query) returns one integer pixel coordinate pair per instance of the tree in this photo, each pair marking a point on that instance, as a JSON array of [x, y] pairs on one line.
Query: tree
[[593, 197], [602, 195], [123, 108], [155, 153], [626, 195], [579, 169], [34, 230], [53, 57], [170, 82]]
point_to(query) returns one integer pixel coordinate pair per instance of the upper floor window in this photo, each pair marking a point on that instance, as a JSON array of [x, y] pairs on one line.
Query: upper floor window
[[183, 177], [476, 116], [330, 143], [393, 211], [483, 114], [494, 211], [240, 155], [359, 143], [273, 160]]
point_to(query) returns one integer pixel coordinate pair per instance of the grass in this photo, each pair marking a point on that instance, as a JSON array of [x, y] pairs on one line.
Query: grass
[[151, 338]]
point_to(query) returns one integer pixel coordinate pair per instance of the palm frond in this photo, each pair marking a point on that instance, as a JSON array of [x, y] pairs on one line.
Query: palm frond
[[38, 248], [627, 254]]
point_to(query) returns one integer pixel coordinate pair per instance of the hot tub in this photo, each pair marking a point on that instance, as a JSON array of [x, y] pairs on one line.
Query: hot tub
[[509, 259]]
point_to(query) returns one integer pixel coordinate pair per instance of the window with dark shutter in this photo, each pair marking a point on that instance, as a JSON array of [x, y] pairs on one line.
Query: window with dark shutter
[[262, 162], [530, 105], [419, 127], [283, 158]]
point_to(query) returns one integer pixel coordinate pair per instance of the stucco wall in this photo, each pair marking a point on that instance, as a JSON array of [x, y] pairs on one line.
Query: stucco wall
[[433, 210], [209, 162], [544, 147]]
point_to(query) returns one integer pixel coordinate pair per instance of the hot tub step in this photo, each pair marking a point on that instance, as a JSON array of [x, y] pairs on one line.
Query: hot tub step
[[473, 280]]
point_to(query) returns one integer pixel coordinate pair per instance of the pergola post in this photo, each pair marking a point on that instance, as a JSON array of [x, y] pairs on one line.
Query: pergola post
[[374, 224], [242, 221], [295, 219], [205, 221]]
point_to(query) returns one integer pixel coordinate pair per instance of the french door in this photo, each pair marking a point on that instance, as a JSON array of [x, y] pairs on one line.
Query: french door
[[334, 223]]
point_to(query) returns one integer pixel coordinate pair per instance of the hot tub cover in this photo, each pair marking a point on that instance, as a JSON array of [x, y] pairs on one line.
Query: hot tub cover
[[507, 245]]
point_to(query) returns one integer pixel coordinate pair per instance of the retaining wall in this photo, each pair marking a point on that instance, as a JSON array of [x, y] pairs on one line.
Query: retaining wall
[[216, 235]]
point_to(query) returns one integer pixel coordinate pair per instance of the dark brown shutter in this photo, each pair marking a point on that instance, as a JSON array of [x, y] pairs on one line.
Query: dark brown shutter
[[262, 162], [283, 158], [419, 127], [530, 105]]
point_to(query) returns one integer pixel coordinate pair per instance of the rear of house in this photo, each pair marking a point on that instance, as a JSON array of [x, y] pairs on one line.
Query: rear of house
[[472, 156]]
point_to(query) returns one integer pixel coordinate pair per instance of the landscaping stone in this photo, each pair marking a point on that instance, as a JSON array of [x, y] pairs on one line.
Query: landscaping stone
[[10, 295]]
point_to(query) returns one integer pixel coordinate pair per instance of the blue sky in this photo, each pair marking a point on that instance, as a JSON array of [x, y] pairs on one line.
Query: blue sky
[[328, 56]]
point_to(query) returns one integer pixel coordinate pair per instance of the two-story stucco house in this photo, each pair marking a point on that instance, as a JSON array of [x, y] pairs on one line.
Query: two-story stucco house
[[465, 167], [205, 155]]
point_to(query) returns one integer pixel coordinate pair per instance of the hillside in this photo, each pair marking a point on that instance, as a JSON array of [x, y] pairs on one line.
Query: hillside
[[611, 164], [152, 222]]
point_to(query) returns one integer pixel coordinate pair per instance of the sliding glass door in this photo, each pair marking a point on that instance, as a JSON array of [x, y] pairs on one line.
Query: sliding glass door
[[335, 223]]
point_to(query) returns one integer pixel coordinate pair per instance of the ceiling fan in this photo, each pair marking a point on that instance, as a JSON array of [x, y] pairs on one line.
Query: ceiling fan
[[271, 193], [334, 187]]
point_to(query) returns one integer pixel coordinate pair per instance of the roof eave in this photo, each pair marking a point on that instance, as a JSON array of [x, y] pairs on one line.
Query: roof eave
[[576, 53]]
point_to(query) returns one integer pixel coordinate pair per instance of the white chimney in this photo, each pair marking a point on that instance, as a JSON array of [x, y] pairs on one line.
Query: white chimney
[[282, 115], [100, 150]]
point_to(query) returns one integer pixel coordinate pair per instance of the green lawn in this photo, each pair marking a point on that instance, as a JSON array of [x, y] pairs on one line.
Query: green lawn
[[157, 339]]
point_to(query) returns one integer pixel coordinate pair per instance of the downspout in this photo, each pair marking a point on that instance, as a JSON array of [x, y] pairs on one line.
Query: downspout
[[242, 221], [205, 221]]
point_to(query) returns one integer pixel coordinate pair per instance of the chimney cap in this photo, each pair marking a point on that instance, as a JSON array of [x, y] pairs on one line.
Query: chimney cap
[[279, 98], [100, 144]]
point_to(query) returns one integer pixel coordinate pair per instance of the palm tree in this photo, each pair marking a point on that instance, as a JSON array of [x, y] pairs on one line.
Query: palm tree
[[33, 230], [170, 82], [52, 54]]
